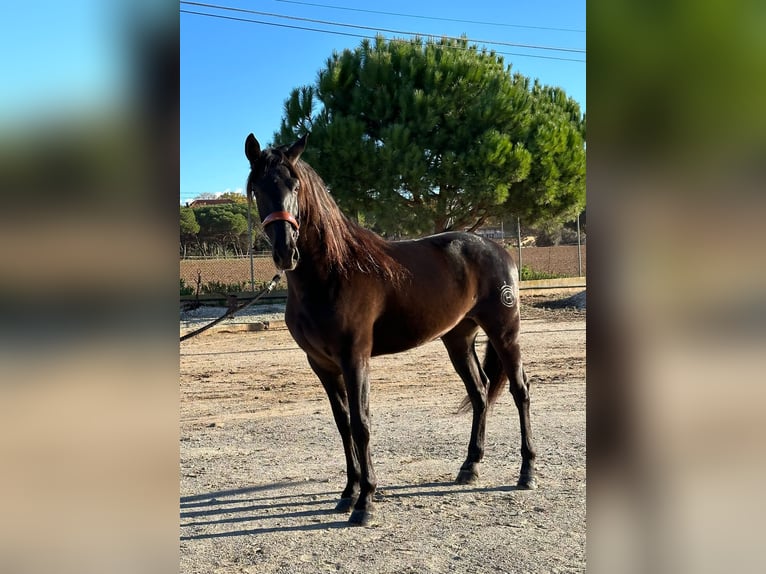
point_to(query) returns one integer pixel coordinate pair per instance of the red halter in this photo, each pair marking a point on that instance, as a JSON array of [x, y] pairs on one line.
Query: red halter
[[281, 216]]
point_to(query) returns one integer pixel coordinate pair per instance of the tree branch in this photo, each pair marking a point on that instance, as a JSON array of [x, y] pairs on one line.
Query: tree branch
[[479, 222]]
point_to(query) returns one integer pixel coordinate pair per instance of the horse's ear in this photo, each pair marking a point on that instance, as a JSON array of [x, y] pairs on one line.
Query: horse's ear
[[295, 150], [252, 149]]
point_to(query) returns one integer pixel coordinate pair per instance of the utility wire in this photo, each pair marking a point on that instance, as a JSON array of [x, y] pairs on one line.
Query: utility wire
[[505, 25], [221, 16], [352, 35], [379, 29]]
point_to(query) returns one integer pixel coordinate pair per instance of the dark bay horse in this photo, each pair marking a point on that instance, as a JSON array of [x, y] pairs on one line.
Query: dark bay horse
[[353, 295]]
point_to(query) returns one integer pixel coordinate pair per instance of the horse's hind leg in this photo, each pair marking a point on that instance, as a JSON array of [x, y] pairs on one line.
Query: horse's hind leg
[[461, 349], [336, 391], [506, 343]]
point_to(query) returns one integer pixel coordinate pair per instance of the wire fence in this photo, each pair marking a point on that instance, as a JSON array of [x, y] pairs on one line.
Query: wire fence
[[238, 274]]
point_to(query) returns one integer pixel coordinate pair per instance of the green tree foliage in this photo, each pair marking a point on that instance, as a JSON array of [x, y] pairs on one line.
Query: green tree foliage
[[220, 229], [418, 136], [222, 225], [233, 196], [189, 228], [554, 190], [189, 224]]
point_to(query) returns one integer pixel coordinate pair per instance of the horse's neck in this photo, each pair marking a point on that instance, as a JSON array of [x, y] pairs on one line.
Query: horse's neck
[[313, 265]]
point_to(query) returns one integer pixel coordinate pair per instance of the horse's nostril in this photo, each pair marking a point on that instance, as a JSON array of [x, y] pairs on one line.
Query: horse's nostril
[[286, 261]]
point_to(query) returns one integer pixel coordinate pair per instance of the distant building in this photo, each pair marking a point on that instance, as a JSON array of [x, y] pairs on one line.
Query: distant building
[[491, 232]]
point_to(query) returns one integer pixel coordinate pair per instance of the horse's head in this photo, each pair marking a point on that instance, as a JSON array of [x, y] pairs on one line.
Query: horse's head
[[274, 183]]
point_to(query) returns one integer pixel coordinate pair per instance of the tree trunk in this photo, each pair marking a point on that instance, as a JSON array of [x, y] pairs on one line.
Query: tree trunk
[[441, 220]]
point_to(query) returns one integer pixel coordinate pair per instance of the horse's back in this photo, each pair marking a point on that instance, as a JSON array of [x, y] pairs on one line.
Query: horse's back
[[458, 257], [451, 276]]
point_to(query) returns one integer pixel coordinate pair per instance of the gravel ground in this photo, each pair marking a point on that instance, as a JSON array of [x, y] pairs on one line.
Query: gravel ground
[[195, 318], [533, 306], [262, 466]]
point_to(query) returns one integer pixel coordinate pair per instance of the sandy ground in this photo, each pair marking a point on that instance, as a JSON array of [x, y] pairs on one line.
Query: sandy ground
[[262, 464]]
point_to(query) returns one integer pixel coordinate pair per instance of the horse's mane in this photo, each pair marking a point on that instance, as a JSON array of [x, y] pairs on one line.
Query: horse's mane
[[347, 246]]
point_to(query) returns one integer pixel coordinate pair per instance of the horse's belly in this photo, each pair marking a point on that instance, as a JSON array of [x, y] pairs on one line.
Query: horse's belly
[[396, 334]]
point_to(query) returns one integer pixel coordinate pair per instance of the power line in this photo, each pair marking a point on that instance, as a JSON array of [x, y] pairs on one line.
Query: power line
[[221, 16], [338, 33], [502, 24], [352, 35], [379, 29]]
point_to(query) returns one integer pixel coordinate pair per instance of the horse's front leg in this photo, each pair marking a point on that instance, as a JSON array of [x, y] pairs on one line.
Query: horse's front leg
[[333, 384], [355, 374]]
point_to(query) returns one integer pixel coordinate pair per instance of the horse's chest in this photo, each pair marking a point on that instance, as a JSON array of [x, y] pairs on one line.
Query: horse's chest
[[315, 335]]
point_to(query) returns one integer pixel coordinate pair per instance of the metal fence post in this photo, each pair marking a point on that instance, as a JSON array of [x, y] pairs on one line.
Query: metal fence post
[[250, 245], [518, 237], [579, 250]]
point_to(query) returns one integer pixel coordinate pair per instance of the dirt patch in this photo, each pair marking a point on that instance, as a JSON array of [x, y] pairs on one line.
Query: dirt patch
[[262, 464], [576, 302]]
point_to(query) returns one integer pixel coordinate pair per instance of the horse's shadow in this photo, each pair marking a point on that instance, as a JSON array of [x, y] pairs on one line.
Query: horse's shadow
[[271, 502]]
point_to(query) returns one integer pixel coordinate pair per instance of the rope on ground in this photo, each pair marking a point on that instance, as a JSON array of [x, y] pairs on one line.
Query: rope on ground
[[233, 310]]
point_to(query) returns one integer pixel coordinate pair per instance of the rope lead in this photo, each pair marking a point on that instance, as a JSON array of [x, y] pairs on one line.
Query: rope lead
[[268, 289]]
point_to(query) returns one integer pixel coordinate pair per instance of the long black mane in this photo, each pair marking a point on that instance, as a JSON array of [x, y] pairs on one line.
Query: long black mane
[[348, 247]]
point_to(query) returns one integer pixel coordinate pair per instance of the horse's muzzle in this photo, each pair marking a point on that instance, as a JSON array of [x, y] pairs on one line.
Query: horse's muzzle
[[282, 229], [284, 246], [286, 259]]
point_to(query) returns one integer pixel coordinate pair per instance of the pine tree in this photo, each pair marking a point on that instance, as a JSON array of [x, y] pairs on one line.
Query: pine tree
[[416, 136]]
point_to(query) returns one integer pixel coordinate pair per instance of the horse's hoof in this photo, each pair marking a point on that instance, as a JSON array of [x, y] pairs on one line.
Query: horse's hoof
[[527, 483], [467, 477], [345, 504], [360, 518]]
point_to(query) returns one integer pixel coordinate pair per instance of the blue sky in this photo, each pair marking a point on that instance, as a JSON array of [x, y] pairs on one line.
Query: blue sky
[[236, 75], [57, 57], [72, 59]]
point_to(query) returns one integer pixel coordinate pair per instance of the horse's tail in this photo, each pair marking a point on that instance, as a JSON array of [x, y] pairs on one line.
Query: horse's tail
[[496, 377]]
